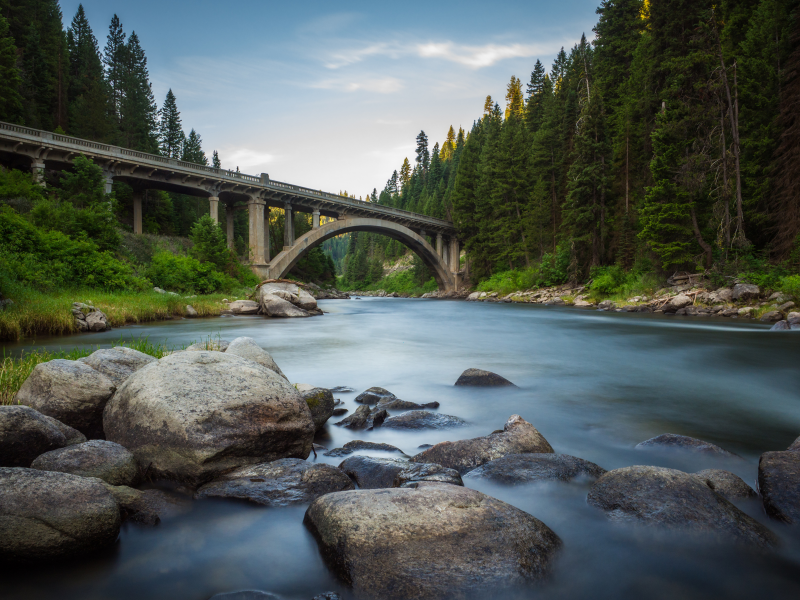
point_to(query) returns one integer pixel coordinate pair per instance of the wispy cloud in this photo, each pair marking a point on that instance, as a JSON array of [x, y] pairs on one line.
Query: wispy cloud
[[380, 85], [247, 160]]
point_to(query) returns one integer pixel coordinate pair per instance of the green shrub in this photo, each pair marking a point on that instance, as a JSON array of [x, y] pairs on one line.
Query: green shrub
[[791, 285], [187, 274], [210, 243]]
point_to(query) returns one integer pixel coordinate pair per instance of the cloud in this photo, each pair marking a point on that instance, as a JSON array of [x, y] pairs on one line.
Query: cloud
[[380, 85], [349, 57], [248, 161], [476, 57]]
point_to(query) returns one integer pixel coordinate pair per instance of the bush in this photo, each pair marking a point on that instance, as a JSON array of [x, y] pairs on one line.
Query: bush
[[19, 189], [791, 285], [210, 243], [187, 274]]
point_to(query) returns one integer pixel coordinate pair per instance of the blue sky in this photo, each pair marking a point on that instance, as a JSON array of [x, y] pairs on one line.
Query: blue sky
[[332, 95]]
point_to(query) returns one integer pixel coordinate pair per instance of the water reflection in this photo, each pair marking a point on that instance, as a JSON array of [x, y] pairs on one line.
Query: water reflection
[[594, 384]]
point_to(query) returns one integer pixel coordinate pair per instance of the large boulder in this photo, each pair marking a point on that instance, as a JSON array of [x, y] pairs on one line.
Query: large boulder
[[98, 458], [244, 307], [779, 484], [526, 468], [278, 483], [46, 515], [246, 347], [299, 297], [117, 363], [726, 484], [415, 473], [431, 541], [683, 442], [678, 302], [194, 415], [274, 306], [422, 419], [371, 473], [374, 395], [481, 378], [674, 500], [26, 433], [745, 291], [214, 345], [70, 391], [320, 402], [518, 436]]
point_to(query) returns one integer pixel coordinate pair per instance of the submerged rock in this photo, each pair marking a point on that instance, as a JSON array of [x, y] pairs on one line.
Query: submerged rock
[[117, 363], [432, 541], [148, 507], [674, 500], [364, 418], [779, 484], [246, 595], [374, 395], [246, 347], [372, 473], [726, 484], [342, 389], [97, 458], [278, 483], [195, 415], [26, 433], [45, 515], [418, 472], [398, 404], [478, 377], [320, 402], [422, 419], [518, 436], [683, 442], [70, 391], [526, 468], [354, 445]]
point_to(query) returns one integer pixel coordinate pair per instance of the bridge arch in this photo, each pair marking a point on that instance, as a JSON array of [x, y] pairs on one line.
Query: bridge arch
[[288, 258]]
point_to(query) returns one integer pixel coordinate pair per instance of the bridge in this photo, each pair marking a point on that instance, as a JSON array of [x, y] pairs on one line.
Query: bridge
[[434, 240]]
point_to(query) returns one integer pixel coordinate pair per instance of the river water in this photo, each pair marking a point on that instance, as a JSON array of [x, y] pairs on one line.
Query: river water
[[594, 384]]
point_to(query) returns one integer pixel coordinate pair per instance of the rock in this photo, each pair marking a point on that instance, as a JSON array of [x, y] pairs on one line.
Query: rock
[[795, 447], [744, 291], [526, 468], [793, 318], [781, 326], [371, 473], [682, 442], [398, 404], [474, 296], [674, 500], [117, 363], [364, 418], [327, 596], [582, 304], [215, 345], [320, 403], [158, 290], [517, 437], [779, 484], [69, 391], [726, 484], [244, 307], [98, 458], [777, 297], [724, 295], [246, 347], [273, 306], [195, 415], [354, 445], [278, 483], [746, 311], [786, 306], [45, 516], [430, 472], [422, 419], [478, 377], [148, 507], [302, 299], [191, 312], [432, 541], [26, 433], [606, 305], [676, 303], [342, 389], [246, 595], [374, 395], [338, 412], [97, 321], [771, 316]]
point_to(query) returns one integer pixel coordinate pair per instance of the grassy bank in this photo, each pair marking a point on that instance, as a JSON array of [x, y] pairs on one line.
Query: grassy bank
[[402, 282], [34, 313]]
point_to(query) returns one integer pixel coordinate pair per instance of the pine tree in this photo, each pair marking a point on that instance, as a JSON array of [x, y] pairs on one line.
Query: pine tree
[[515, 104], [405, 173], [170, 130], [423, 155], [115, 61], [534, 109], [193, 149], [449, 145], [138, 111], [215, 162], [10, 98]]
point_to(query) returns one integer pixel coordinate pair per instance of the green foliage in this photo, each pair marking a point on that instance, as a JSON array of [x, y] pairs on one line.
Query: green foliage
[[10, 98], [791, 285], [210, 243], [187, 275]]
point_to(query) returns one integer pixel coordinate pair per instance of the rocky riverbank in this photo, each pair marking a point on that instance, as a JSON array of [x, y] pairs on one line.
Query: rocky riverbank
[[225, 422]]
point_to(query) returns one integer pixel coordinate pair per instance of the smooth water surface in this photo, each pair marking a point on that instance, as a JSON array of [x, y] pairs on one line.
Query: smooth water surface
[[594, 384]]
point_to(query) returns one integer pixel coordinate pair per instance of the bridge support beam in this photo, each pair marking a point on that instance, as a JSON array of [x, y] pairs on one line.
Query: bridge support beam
[[256, 221], [288, 227], [439, 245], [37, 167], [266, 235], [137, 213], [315, 219], [108, 181], [229, 223], [446, 253], [455, 256], [213, 206]]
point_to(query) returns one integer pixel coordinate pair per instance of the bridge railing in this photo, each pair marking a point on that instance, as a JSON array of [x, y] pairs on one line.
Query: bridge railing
[[46, 138]]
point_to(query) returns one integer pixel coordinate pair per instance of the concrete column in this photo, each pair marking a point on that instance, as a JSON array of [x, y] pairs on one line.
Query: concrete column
[[229, 219], [288, 227], [266, 235], [315, 220], [137, 213], [213, 205], [455, 259], [446, 253], [37, 167], [109, 181], [439, 247], [422, 233], [256, 222]]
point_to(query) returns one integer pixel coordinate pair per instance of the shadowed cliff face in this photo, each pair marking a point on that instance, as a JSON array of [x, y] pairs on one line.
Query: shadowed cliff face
[[594, 385]]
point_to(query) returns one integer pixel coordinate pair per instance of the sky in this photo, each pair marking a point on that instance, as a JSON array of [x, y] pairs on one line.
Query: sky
[[331, 95]]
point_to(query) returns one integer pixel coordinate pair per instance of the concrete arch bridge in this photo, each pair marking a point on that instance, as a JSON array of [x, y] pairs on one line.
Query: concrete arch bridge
[[434, 240]]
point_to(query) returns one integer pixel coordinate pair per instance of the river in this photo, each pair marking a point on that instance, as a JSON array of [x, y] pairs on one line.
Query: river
[[594, 384]]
